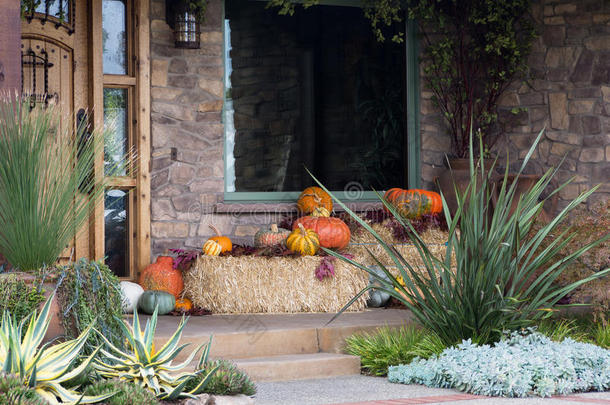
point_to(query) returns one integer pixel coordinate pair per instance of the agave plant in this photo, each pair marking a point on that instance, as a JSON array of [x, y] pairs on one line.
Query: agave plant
[[149, 369], [43, 367], [502, 278]]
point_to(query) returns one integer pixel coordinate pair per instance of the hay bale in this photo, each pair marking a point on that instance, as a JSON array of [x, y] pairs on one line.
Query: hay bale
[[254, 284]]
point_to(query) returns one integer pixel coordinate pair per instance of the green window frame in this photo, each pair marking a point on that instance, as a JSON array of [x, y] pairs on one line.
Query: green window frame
[[413, 117]]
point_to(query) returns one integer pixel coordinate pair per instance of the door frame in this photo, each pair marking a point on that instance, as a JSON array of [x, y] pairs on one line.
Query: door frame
[[139, 38]]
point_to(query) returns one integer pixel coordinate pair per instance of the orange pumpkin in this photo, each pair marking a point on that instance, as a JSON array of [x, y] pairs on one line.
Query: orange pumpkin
[[183, 305], [414, 203], [332, 232], [224, 241], [162, 276], [313, 197]]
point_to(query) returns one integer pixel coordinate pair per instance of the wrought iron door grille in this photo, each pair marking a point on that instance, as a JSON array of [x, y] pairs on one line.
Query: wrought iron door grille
[[58, 12]]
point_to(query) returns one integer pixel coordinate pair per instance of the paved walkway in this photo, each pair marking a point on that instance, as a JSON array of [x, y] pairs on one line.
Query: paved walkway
[[362, 390]]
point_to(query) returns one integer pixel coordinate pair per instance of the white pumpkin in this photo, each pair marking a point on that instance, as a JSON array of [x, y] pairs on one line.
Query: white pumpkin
[[131, 295]]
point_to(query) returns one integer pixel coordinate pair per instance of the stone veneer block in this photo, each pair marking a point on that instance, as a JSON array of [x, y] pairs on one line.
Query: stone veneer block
[[559, 110]]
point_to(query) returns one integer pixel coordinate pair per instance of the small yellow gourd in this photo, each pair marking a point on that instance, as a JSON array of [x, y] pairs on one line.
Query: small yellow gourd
[[212, 248], [320, 212], [303, 241]]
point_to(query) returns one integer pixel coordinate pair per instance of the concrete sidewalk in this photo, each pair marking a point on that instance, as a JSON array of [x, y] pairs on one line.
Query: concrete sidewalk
[[363, 390]]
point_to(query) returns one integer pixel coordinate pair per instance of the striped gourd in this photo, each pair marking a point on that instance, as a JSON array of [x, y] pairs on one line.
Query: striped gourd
[[212, 248], [303, 241]]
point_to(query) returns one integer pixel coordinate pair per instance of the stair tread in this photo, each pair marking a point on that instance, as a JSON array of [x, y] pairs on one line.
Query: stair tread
[[294, 357]]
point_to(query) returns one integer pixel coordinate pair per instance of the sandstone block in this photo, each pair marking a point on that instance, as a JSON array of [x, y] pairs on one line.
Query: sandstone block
[[158, 72], [214, 87], [181, 174], [592, 155], [170, 229], [581, 107], [162, 210], [568, 8], [559, 111], [599, 43]]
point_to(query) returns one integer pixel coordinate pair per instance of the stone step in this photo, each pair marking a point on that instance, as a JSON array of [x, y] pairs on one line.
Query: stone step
[[256, 336], [299, 366]]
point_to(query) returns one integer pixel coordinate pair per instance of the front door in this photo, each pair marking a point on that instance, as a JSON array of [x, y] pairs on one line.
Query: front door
[[55, 65], [91, 58]]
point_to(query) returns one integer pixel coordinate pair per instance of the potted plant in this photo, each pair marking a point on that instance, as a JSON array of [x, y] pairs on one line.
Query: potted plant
[[474, 50]]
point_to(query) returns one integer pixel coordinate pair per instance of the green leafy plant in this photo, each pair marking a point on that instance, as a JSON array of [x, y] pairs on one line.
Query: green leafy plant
[[123, 393], [89, 295], [601, 335], [47, 189], [43, 368], [473, 51], [140, 364], [560, 329], [17, 297], [492, 278], [228, 379], [391, 347]]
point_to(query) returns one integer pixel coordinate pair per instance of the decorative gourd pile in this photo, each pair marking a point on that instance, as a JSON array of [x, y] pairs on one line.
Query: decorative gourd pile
[[160, 286]]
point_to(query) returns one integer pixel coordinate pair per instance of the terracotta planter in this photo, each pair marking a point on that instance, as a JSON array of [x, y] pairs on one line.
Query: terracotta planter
[[456, 174], [525, 184]]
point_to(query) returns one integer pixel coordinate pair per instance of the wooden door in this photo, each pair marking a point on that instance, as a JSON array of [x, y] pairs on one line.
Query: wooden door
[[55, 70], [92, 58]]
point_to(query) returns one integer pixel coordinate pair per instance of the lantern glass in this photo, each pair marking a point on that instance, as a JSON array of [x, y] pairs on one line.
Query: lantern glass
[[186, 30]]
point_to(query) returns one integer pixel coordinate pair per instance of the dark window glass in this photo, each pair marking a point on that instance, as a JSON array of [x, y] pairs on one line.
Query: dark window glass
[[114, 37], [313, 90], [116, 231]]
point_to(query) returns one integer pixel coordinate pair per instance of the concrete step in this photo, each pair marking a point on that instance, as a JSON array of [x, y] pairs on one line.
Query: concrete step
[[265, 335], [300, 366]]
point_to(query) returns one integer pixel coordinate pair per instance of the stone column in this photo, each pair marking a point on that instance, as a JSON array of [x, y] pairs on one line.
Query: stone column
[[10, 40]]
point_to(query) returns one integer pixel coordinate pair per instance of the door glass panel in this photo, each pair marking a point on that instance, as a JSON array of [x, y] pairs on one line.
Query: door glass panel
[[114, 37], [116, 131], [116, 231]]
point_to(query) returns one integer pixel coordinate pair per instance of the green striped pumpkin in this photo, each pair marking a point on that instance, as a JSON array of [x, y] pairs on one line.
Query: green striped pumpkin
[[303, 241]]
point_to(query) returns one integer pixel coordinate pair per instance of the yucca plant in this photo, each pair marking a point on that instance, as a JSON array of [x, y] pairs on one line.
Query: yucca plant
[[141, 365], [500, 279], [47, 187], [43, 367]]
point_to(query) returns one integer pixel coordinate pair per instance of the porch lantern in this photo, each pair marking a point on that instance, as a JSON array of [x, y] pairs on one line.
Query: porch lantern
[[186, 30], [185, 18]]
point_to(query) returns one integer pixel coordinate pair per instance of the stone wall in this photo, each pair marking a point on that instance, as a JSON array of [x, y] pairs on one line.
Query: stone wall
[[187, 133], [568, 93], [187, 179]]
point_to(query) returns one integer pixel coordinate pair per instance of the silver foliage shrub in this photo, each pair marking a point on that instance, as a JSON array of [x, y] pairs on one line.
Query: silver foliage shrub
[[518, 366]]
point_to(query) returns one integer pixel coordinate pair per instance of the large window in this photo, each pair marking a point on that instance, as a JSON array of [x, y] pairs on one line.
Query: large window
[[315, 90]]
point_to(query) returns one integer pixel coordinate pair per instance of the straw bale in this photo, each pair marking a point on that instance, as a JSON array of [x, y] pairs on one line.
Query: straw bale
[[254, 284]]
